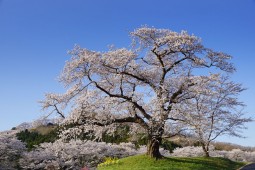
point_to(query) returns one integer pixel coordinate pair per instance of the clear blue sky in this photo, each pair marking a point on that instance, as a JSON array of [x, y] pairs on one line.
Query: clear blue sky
[[36, 35]]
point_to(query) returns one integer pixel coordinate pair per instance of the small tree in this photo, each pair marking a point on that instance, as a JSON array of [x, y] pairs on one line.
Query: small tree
[[213, 111], [138, 85]]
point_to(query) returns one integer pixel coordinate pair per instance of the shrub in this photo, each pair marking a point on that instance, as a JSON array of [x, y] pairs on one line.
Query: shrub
[[169, 145], [34, 138]]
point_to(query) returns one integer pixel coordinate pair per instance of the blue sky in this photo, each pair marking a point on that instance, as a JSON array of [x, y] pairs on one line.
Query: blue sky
[[36, 35]]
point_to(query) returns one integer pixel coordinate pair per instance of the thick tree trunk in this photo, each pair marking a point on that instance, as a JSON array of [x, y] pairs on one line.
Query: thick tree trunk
[[153, 147], [155, 133], [206, 150]]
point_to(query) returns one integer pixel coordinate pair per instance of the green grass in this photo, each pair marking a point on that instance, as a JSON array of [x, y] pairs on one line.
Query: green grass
[[140, 162]]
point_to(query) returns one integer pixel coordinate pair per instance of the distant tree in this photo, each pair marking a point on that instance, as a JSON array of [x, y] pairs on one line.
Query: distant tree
[[213, 111], [14, 128], [32, 139], [50, 124], [138, 85]]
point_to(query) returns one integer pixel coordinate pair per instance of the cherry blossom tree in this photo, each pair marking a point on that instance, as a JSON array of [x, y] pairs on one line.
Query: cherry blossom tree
[[234, 154], [74, 154], [10, 149], [213, 111], [138, 85]]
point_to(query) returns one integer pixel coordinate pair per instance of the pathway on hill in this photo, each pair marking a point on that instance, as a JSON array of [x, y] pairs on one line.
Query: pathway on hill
[[249, 167]]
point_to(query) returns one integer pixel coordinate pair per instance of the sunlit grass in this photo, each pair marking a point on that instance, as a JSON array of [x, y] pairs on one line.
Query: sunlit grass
[[141, 162]]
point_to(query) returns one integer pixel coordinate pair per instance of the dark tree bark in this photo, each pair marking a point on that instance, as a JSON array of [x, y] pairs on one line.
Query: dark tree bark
[[154, 140], [153, 147], [206, 150]]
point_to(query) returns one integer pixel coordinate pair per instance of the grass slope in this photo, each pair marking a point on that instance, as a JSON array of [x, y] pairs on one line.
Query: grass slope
[[140, 162], [44, 130]]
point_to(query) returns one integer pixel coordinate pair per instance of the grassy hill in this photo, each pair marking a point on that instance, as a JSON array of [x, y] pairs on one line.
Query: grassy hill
[[44, 130], [141, 162]]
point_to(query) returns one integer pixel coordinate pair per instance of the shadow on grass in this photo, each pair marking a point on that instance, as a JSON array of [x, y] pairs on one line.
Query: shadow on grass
[[212, 163]]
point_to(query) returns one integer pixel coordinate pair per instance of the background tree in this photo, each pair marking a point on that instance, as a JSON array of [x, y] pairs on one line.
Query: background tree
[[138, 85], [213, 111]]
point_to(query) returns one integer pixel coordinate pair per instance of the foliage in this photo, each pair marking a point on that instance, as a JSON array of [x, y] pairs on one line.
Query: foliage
[[169, 145], [198, 163], [120, 135], [33, 138], [41, 134]]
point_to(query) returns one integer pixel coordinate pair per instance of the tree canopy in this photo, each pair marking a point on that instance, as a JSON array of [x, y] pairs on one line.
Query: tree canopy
[[140, 85]]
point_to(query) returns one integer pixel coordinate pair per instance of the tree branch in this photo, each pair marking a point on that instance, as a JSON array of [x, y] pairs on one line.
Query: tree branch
[[135, 119], [129, 99]]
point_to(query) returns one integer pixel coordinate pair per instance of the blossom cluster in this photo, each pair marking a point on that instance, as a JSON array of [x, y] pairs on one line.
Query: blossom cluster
[[10, 149], [234, 155], [75, 154]]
